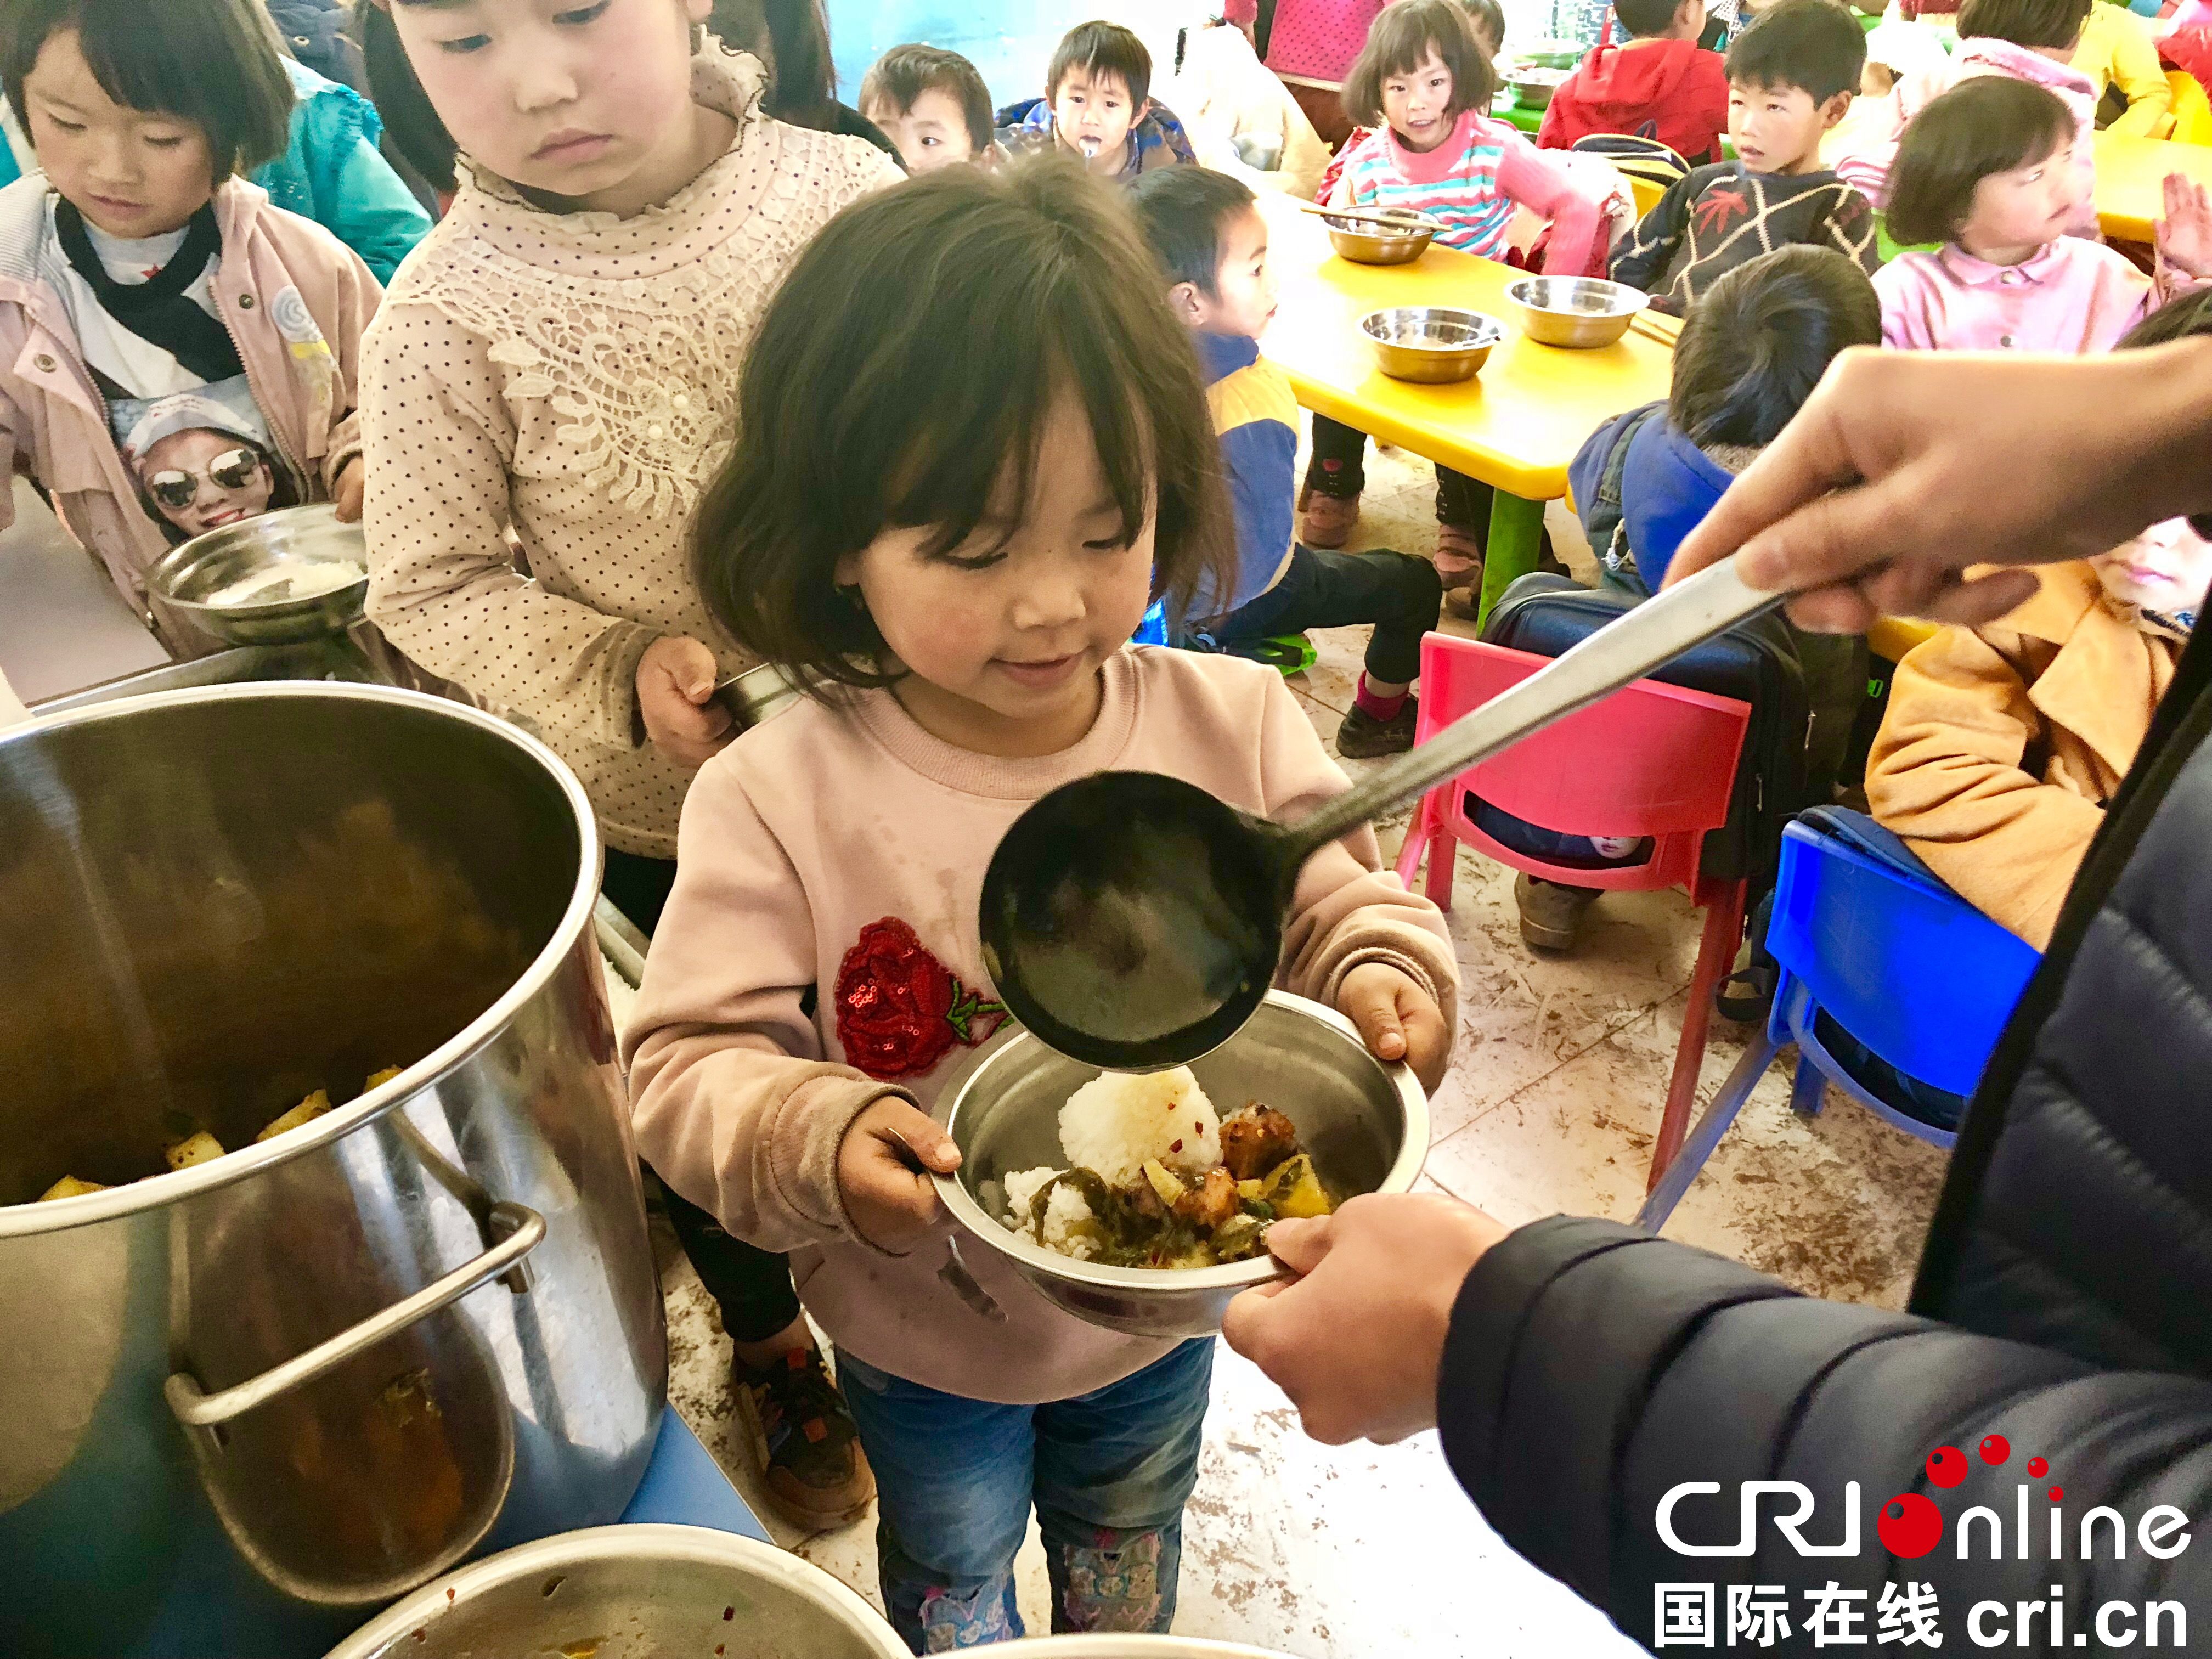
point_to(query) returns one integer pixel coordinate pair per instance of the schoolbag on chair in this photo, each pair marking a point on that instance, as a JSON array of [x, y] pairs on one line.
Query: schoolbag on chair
[[1755, 662]]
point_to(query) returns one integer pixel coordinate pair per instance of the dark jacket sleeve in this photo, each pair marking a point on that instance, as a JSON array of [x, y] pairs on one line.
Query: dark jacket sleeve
[[1590, 1369], [1651, 247]]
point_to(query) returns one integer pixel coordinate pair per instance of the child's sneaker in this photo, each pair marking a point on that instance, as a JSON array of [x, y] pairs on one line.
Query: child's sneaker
[[1551, 912], [1362, 736], [1328, 521], [803, 1436]]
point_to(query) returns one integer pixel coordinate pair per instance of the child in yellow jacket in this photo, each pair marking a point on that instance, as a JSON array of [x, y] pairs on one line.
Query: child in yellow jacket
[[2003, 743]]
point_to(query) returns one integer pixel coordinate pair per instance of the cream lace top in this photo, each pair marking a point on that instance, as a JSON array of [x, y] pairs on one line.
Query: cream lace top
[[572, 376]]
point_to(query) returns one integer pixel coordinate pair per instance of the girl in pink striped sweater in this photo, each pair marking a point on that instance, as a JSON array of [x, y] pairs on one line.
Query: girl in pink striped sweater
[[978, 446], [1425, 86]]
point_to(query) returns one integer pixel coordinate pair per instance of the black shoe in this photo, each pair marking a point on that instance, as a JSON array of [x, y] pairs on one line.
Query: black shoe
[[1362, 736]]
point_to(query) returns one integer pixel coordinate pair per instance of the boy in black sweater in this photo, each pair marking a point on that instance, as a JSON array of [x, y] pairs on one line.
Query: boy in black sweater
[[1791, 75]]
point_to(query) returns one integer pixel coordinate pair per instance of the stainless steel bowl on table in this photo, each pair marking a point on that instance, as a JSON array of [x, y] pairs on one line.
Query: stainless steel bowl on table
[[1368, 243], [306, 1376], [1366, 1123], [1534, 84], [1436, 344], [1579, 312], [635, 1592], [293, 542]]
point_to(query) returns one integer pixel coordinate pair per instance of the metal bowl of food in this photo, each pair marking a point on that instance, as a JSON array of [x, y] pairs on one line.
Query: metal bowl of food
[[1362, 1124], [631, 1593], [286, 576], [1367, 244], [1574, 311], [1432, 343], [1534, 84]]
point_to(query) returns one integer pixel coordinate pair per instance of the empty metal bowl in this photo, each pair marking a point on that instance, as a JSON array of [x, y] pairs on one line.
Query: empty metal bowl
[[1434, 343], [1574, 311], [188, 576], [1366, 1123], [1373, 244]]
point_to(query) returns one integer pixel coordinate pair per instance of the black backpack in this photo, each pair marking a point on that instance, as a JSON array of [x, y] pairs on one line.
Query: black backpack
[[1545, 614]]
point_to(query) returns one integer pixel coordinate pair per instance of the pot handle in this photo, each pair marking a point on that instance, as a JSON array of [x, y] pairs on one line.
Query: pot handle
[[195, 1408]]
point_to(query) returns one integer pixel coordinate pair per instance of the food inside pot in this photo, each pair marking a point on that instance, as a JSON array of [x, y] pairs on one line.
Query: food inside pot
[[1156, 1179], [199, 1146]]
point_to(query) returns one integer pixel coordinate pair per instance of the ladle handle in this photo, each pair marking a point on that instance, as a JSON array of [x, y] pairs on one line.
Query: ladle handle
[[1662, 626]]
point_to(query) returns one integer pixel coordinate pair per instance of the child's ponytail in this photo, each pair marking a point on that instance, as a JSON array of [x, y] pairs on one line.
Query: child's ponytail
[[417, 133]]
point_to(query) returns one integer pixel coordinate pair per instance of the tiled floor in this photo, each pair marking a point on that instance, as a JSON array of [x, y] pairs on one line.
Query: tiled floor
[[1551, 1106]]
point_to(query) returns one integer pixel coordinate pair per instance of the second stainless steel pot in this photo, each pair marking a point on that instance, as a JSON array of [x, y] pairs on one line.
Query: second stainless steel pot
[[249, 1402]]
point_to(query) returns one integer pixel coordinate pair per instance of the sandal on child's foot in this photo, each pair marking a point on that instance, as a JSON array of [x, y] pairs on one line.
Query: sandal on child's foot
[[1363, 737], [1328, 520], [1459, 557], [803, 1439]]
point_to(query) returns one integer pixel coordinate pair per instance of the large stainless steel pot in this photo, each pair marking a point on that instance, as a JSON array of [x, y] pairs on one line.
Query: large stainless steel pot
[[632, 1592], [243, 1404]]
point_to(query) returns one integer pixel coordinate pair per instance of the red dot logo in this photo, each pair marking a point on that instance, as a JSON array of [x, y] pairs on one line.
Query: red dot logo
[[2057, 1493], [1910, 1525], [1946, 1466], [2037, 1468], [1995, 1449]]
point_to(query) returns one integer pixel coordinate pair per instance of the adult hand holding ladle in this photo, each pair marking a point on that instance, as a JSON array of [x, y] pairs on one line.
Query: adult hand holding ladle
[[1133, 921]]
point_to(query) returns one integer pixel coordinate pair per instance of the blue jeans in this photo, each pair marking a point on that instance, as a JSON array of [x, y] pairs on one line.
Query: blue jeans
[[1109, 1473]]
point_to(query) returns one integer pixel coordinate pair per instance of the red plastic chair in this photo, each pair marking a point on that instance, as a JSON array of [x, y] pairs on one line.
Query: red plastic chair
[[1651, 760]]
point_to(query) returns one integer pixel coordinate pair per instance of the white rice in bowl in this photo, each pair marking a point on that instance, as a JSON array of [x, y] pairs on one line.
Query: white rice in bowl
[[1115, 1121], [1069, 1225]]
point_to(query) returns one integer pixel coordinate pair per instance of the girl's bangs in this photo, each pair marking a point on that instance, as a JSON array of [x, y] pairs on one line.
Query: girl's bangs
[[974, 473], [1405, 50]]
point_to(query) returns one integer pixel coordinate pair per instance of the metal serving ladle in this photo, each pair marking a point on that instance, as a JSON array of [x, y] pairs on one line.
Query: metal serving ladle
[[1134, 922]]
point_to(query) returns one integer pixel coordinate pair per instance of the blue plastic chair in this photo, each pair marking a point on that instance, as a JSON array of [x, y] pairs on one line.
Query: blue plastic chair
[[1899, 961]]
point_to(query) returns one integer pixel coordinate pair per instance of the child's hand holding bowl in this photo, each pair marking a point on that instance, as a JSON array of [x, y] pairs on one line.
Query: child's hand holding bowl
[[1398, 1019]]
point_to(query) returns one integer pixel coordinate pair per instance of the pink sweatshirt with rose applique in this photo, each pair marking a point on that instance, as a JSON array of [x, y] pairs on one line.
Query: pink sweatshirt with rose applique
[[839, 847]]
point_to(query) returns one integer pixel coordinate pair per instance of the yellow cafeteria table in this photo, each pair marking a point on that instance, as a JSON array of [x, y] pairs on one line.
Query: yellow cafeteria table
[[2130, 175], [1516, 426]]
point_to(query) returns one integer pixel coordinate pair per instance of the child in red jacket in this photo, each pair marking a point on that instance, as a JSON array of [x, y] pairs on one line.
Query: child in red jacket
[[1659, 84]]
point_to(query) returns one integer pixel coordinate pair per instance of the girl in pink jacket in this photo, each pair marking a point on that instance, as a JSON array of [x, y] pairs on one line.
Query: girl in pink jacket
[[2031, 40], [979, 448], [1987, 170], [175, 353]]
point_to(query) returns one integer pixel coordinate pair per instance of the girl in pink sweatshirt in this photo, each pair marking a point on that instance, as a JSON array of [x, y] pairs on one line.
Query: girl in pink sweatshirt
[[1987, 170], [982, 449], [1423, 85]]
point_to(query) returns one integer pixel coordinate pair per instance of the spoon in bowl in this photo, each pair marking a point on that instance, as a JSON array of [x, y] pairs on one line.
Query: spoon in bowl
[[1133, 922]]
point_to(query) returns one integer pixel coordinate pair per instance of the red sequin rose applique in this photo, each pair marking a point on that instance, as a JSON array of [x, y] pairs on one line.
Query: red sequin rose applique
[[899, 1009]]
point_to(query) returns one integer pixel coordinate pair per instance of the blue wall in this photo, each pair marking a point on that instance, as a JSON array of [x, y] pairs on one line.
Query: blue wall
[[1010, 43]]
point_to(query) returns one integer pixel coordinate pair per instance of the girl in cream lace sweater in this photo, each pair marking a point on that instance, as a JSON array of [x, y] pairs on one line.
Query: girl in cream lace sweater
[[559, 357], [550, 387]]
